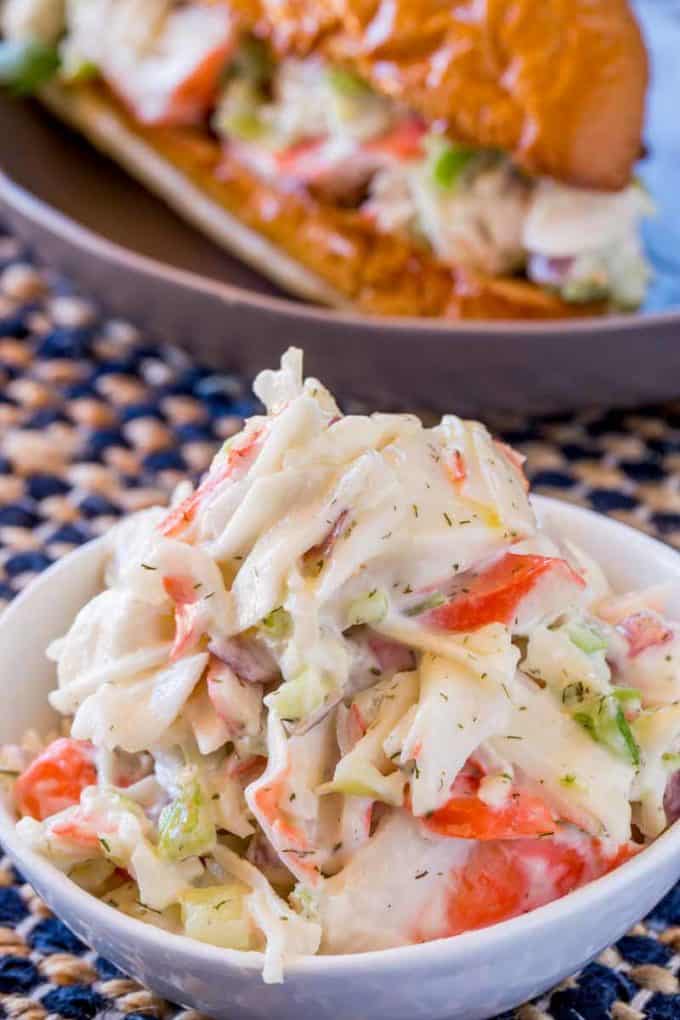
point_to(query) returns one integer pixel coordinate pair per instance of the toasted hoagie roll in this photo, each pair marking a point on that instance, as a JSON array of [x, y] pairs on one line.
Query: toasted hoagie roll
[[410, 158]]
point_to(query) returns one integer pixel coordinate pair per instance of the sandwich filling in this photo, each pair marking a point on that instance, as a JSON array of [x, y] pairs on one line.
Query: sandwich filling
[[308, 126]]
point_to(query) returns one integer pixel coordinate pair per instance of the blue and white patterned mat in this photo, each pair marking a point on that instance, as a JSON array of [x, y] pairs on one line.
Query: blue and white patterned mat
[[96, 421]]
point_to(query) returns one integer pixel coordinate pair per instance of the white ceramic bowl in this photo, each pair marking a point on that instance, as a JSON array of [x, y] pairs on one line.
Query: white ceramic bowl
[[469, 977]]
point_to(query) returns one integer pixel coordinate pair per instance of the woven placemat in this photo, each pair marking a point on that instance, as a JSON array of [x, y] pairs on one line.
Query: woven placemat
[[96, 421]]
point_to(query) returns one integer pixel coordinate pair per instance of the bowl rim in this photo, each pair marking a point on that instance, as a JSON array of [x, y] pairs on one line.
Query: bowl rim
[[449, 950], [69, 230]]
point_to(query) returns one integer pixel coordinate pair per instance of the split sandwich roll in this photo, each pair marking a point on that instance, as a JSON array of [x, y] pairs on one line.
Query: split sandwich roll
[[420, 158]]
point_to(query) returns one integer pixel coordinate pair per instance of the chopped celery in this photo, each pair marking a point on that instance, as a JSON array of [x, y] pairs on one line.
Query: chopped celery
[[629, 698], [216, 915], [448, 161], [77, 73], [92, 875], [238, 115], [370, 608], [25, 66], [304, 900], [126, 898], [277, 624], [587, 637], [631, 747], [592, 286], [302, 696], [432, 602], [242, 124], [351, 786], [356, 777], [252, 61], [120, 802], [606, 723], [347, 83], [186, 827]]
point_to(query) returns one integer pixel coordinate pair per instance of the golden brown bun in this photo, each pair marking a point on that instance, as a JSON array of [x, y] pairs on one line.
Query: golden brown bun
[[559, 84], [331, 255]]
